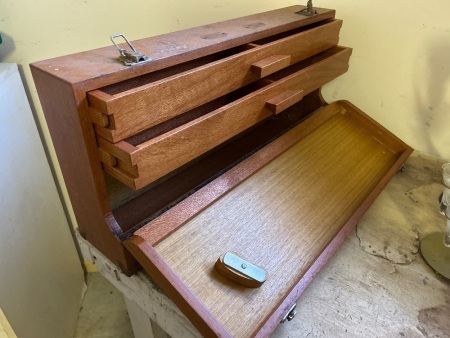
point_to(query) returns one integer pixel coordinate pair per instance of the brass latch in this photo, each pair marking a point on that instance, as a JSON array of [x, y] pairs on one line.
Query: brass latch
[[129, 57]]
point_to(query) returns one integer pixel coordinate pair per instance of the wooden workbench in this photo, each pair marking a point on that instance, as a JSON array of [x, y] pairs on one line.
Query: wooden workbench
[[376, 285]]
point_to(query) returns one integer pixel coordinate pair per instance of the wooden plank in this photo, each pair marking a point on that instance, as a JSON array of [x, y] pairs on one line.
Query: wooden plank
[[98, 68], [74, 140], [299, 217], [161, 155], [138, 107]]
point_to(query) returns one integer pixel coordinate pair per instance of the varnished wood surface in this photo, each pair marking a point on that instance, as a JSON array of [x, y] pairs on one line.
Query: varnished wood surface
[[282, 218], [74, 142], [99, 67], [157, 157], [150, 100]]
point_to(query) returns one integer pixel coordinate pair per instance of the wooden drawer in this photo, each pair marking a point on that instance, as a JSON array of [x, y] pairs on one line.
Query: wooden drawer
[[138, 163], [129, 107]]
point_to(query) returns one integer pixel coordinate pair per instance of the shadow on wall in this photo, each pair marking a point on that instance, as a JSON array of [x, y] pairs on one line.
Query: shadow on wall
[[6, 47], [432, 94]]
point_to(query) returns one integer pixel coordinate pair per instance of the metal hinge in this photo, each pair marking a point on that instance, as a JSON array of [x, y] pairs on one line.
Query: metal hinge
[[129, 57]]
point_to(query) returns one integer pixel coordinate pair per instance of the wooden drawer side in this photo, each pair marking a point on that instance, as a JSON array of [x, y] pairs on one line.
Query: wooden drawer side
[[136, 107], [161, 155]]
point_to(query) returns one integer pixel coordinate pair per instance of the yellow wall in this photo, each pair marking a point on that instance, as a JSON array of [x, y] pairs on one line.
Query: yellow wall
[[400, 67], [398, 73]]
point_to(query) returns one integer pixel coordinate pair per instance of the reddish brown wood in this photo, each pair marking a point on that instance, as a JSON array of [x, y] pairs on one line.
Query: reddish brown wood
[[74, 142], [161, 155], [98, 68], [208, 79], [284, 100], [271, 65]]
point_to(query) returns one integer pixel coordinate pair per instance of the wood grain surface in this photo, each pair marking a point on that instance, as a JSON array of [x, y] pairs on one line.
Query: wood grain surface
[[282, 218], [134, 208], [161, 155], [150, 100], [98, 68], [74, 140]]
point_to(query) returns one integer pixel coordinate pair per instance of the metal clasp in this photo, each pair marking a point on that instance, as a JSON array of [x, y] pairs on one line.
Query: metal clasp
[[129, 57], [290, 314], [309, 10]]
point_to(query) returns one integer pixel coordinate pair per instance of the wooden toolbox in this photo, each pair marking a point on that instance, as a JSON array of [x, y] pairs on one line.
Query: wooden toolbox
[[218, 141]]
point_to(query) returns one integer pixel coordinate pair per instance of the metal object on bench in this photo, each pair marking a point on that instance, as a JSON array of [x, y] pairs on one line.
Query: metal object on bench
[[240, 271], [129, 57]]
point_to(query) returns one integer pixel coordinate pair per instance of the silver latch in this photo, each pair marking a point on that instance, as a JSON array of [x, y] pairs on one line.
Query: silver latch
[[309, 10], [129, 57], [290, 314], [240, 271]]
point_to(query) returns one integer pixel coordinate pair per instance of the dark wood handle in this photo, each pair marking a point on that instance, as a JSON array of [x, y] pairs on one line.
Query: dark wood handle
[[283, 101]]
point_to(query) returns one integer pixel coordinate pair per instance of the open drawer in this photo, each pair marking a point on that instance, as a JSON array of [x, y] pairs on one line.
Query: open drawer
[[148, 156], [129, 107], [285, 208]]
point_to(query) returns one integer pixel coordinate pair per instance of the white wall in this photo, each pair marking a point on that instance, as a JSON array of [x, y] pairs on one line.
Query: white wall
[[398, 73], [41, 279]]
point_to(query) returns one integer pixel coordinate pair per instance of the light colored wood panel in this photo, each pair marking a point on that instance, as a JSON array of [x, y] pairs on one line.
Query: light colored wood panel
[[159, 156], [281, 218], [137, 109]]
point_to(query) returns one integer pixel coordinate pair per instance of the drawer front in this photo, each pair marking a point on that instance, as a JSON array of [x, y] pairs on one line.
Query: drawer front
[[140, 165], [121, 111]]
